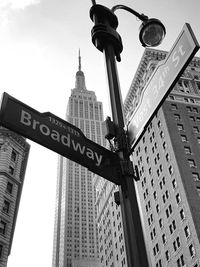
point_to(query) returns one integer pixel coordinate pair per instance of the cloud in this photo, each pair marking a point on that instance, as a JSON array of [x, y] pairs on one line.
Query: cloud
[[17, 4], [7, 7]]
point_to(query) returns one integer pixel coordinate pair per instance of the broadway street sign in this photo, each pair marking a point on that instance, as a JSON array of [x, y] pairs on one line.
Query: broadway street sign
[[60, 136], [162, 81]]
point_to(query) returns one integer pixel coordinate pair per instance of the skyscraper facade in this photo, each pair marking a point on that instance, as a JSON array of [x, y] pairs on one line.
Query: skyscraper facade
[[167, 156], [75, 232], [112, 251], [14, 152]]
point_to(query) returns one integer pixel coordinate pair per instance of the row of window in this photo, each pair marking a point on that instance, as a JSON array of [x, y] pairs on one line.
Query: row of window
[[187, 149], [183, 99], [169, 210], [189, 109], [180, 262]]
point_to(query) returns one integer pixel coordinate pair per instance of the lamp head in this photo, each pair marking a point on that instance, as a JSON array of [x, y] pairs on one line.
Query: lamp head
[[152, 32]]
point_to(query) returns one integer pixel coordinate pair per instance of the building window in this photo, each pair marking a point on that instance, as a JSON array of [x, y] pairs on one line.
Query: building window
[[155, 195], [183, 138], [159, 263], [14, 155], [174, 106], [161, 223], [164, 145], [2, 227], [9, 188], [195, 129], [11, 170], [172, 227], [182, 214], [180, 261], [180, 127], [178, 198], [191, 163], [171, 170], [176, 243], [174, 184], [187, 231], [195, 176], [187, 150], [198, 190], [164, 239], [162, 134], [192, 118], [6, 206], [177, 117], [192, 250], [156, 249], [169, 211], [167, 255], [158, 208], [167, 157]]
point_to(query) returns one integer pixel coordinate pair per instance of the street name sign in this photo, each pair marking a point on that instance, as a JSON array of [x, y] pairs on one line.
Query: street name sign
[[161, 82], [60, 136]]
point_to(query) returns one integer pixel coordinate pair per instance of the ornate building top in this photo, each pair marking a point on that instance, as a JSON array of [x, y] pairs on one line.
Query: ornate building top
[[80, 77], [147, 64]]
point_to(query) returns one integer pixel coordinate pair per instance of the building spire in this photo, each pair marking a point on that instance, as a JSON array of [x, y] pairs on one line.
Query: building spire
[[79, 60], [80, 78]]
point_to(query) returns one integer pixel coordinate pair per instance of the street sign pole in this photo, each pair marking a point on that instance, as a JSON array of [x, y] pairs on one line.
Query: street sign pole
[[134, 239]]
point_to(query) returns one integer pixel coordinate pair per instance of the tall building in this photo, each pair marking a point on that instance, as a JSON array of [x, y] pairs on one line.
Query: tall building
[[112, 251], [167, 156], [14, 152], [75, 233]]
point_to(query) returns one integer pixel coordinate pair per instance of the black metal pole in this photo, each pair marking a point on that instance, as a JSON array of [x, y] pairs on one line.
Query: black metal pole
[[105, 39], [135, 246]]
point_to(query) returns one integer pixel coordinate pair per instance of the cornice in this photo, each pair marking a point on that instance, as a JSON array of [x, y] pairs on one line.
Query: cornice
[[150, 57]]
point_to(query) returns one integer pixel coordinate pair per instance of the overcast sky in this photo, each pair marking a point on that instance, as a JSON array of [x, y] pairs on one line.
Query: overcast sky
[[39, 42]]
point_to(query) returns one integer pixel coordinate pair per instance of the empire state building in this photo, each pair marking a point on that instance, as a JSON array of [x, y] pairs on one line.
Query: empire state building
[[75, 232]]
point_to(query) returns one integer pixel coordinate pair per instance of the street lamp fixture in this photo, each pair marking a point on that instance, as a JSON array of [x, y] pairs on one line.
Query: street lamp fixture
[[152, 31]]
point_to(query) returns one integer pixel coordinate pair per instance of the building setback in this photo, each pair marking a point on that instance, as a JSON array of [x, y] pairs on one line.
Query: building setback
[[75, 233], [14, 152], [167, 156]]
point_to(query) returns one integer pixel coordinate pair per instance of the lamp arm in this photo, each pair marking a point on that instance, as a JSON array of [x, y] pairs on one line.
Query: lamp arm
[[140, 16], [93, 2]]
